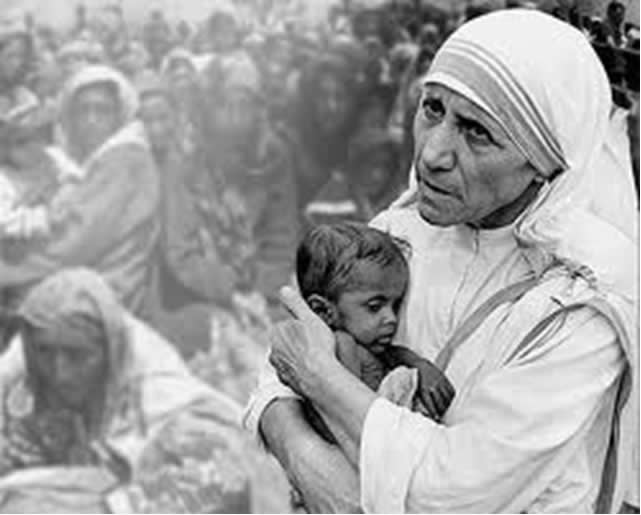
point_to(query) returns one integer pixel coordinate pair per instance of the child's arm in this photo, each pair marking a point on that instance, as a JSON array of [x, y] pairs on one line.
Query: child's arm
[[435, 390]]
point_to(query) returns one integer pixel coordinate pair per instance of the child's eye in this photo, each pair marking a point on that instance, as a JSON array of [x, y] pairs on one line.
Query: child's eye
[[374, 306]]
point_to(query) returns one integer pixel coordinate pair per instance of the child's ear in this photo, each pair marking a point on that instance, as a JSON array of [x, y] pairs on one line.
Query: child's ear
[[324, 309]]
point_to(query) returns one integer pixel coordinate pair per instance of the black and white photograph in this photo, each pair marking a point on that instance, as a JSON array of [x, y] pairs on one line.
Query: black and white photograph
[[319, 256]]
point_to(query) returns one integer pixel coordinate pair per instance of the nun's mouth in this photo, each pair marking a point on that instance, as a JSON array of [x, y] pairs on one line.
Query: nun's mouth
[[434, 188]]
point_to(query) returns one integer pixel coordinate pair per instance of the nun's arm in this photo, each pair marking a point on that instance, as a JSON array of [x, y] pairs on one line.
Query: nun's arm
[[304, 356], [326, 480]]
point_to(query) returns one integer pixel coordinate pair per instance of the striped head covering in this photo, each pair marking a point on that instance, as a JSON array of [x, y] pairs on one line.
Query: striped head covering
[[542, 82], [464, 61]]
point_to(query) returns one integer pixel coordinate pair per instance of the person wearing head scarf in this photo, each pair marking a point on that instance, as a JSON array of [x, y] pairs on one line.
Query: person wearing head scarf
[[180, 69], [77, 54], [16, 54], [111, 212], [111, 28], [86, 384], [32, 173], [522, 220], [256, 163], [134, 61], [157, 37], [224, 28], [202, 255]]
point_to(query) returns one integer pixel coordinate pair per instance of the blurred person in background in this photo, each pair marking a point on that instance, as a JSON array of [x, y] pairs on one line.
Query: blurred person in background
[[224, 29], [256, 162], [201, 259], [324, 119], [105, 413], [81, 20], [614, 18], [157, 37], [79, 53], [111, 29], [134, 61], [114, 227], [180, 72], [184, 32], [369, 183], [279, 75], [16, 55], [46, 78]]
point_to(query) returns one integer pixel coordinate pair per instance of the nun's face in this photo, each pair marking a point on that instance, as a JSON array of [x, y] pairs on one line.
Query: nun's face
[[467, 168], [70, 361]]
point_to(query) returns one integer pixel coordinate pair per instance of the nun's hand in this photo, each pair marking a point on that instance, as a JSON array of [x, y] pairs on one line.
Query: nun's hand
[[300, 347]]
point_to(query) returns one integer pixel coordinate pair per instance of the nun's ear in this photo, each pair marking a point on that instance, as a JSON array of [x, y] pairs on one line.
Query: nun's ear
[[324, 308]]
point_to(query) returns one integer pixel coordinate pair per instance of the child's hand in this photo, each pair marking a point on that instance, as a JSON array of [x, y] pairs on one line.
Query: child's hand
[[359, 360], [435, 392]]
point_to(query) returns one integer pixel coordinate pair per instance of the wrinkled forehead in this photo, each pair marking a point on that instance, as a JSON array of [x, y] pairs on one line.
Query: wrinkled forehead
[[467, 103]]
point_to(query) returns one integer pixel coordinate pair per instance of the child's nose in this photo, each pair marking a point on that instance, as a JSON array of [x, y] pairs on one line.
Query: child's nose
[[389, 316]]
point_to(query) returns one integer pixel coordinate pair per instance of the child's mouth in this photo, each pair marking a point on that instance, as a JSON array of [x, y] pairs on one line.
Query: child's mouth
[[383, 341]]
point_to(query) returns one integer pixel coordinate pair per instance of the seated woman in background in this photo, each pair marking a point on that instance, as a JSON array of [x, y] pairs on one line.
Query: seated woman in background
[[112, 226], [257, 164], [85, 384]]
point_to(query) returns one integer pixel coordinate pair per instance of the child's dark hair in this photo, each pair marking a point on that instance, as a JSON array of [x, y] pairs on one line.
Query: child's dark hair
[[328, 253]]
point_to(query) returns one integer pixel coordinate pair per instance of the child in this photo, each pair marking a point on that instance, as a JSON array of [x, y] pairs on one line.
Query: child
[[355, 278]]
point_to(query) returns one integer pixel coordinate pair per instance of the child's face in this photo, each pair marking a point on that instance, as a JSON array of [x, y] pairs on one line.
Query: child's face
[[369, 310]]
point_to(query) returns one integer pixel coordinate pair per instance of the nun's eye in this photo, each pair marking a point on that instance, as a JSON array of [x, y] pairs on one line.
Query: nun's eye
[[476, 132], [432, 108]]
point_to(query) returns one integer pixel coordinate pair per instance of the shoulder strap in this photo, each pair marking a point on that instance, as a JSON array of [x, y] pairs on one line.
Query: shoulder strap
[[609, 475], [508, 294]]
